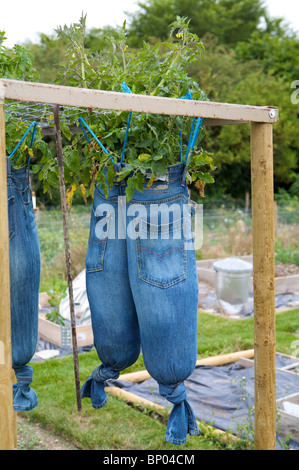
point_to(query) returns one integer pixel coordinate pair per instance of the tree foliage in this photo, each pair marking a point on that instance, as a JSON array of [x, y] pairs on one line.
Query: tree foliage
[[229, 20], [226, 79], [250, 58], [153, 141], [17, 64]]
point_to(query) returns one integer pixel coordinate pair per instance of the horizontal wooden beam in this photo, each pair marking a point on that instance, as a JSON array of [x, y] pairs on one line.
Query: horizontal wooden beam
[[219, 113]]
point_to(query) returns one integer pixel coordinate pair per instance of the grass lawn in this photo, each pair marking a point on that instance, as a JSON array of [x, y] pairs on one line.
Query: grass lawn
[[118, 426]]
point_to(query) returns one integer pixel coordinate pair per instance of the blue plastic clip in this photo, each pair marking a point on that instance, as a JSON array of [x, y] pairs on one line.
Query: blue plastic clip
[[24, 136], [126, 89], [82, 122]]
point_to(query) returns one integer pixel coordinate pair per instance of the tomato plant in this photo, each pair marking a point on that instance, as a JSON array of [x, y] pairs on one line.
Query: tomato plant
[[153, 141], [17, 64]]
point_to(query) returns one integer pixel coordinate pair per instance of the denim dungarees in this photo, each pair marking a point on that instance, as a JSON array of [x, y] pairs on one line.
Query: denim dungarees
[[142, 288], [24, 263]]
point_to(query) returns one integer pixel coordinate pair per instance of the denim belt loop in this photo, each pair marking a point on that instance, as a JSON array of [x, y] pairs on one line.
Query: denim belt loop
[[117, 168], [8, 166], [183, 178]]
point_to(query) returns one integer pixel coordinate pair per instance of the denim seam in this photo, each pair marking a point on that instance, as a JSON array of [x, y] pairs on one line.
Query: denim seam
[[150, 250], [13, 223], [156, 190], [100, 265], [145, 222], [30, 237], [163, 286], [26, 408], [169, 199], [23, 193], [15, 186], [103, 403], [97, 241], [174, 441]]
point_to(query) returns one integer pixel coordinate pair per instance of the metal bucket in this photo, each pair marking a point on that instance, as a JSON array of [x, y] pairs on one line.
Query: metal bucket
[[232, 280]]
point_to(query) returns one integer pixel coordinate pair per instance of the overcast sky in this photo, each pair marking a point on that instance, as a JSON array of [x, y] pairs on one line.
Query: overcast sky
[[23, 20]]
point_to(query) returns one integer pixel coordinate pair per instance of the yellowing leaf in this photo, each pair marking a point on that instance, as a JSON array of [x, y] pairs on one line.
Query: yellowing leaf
[[69, 196], [83, 191]]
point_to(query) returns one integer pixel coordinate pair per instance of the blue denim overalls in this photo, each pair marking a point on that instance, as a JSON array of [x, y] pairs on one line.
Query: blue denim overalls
[[143, 291], [24, 262]]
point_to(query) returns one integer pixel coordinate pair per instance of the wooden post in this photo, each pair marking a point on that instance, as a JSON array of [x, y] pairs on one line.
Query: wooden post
[[8, 422], [264, 285]]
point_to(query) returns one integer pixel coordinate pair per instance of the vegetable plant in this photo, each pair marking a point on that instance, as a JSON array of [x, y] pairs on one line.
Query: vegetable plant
[[153, 141], [17, 64]]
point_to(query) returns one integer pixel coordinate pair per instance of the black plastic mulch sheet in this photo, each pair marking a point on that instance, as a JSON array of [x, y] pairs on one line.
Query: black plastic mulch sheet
[[220, 395]]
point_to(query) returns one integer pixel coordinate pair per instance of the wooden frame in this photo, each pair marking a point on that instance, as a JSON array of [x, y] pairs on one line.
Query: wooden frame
[[261, 120]]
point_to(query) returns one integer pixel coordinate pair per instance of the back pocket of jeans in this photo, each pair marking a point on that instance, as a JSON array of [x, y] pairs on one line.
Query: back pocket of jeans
[[161, 252], [98, 236], [12, 221]]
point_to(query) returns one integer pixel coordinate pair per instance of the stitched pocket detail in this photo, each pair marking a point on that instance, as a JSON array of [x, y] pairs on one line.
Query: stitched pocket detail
[[26, 196], [98, 236], [12, 218], [161, 252]]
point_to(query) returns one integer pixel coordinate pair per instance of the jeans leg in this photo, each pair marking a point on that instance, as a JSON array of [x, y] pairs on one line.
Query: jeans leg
[[114, 320], [167, 315], [24, 257]]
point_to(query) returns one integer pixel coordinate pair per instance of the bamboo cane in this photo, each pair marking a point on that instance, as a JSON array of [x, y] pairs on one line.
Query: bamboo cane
[[67, 253], [222, 359], [129, 397]]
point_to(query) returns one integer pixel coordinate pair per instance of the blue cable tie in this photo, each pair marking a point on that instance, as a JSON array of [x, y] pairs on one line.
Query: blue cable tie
[[190, 139], [181, 144], [193, 135], [196, 131], [126, 89], [32, 140], [28, 130], [84, 131], [80, 119]]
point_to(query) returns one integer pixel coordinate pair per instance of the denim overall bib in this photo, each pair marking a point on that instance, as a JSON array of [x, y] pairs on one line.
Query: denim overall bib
[[24, 262], [142, 289]]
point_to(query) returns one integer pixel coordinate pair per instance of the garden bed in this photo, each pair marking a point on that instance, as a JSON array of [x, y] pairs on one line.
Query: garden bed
[[231, 406], [61, 335], [286, 275], [286, 289]]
